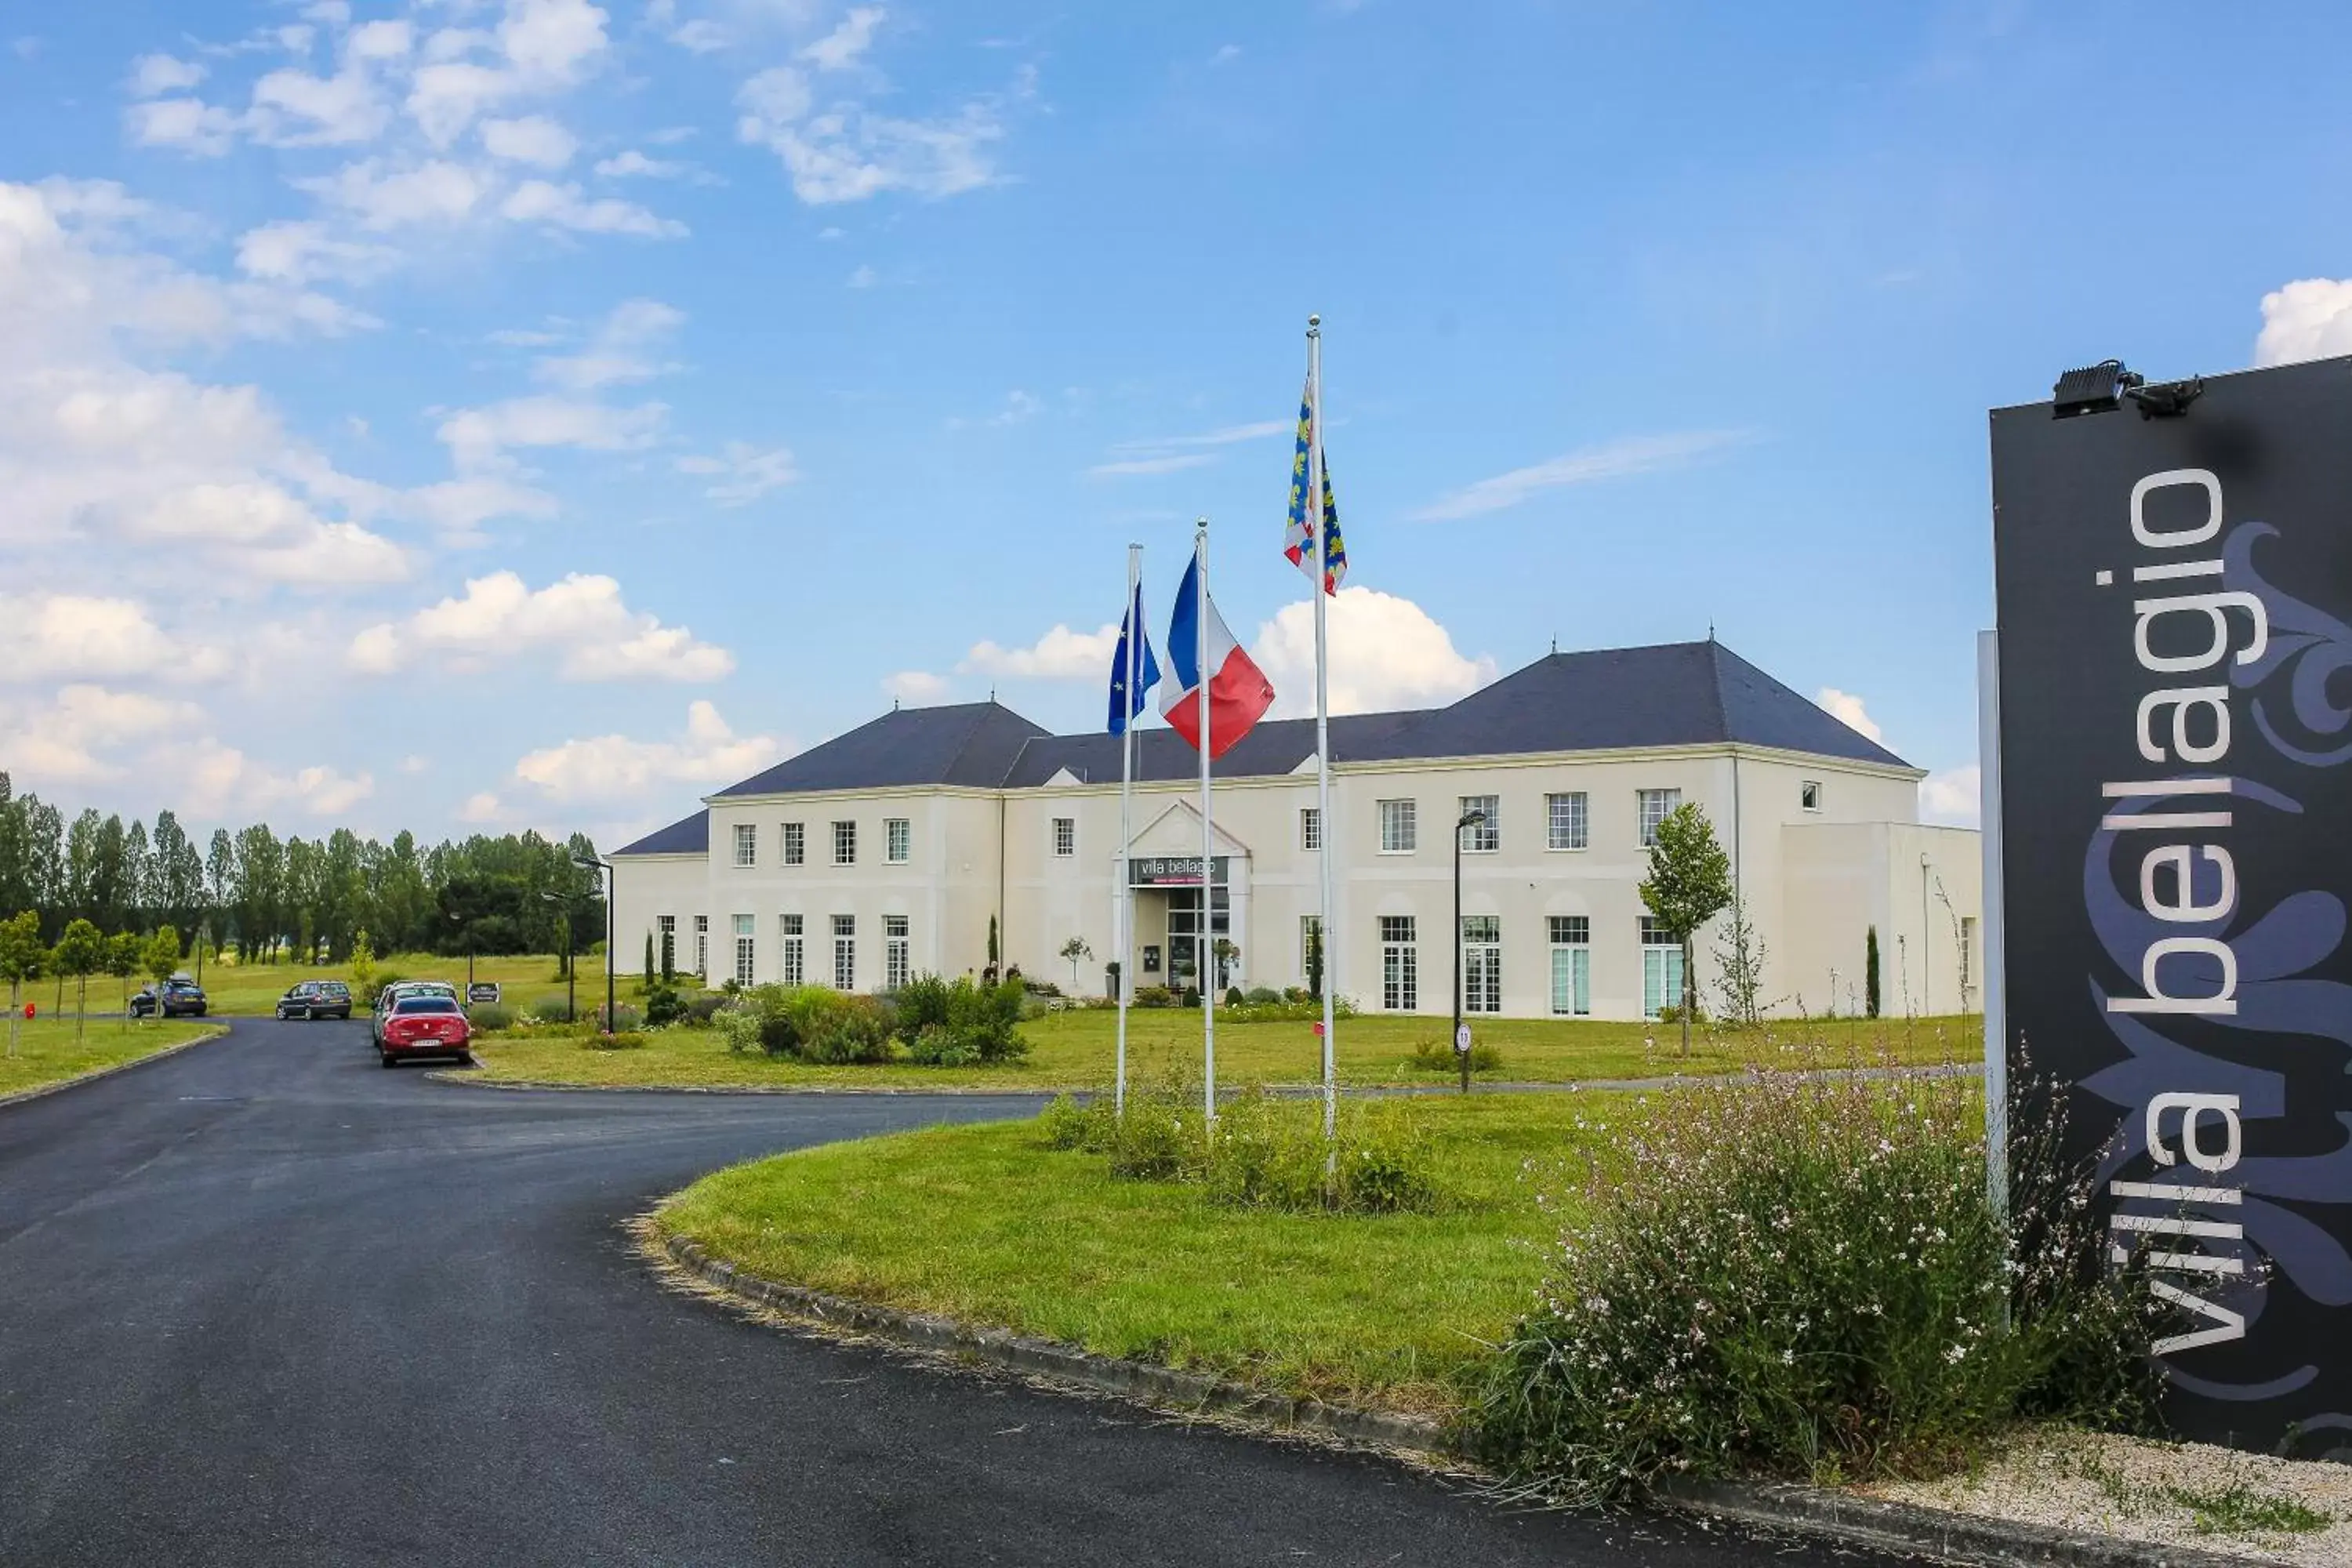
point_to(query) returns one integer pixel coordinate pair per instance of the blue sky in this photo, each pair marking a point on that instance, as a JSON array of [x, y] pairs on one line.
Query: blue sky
[[533, 412]]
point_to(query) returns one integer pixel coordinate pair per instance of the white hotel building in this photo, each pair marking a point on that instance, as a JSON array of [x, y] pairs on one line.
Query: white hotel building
[[887, 851]]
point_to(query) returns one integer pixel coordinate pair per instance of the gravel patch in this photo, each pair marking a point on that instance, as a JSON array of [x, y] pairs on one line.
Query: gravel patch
[[2168, 1494]]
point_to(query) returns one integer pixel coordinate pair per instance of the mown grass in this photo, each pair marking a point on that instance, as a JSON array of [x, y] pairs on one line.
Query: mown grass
[[987, 1225], [48, 1051], [1076, 1050], [253, 989]]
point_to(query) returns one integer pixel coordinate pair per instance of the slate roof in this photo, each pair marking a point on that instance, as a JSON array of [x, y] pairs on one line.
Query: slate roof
[[1672, 694], [688, 836]]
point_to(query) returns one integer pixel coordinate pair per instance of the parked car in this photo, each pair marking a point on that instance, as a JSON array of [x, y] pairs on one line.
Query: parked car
[[387, 998], [180, 999], [316, 999], [427, 1026]]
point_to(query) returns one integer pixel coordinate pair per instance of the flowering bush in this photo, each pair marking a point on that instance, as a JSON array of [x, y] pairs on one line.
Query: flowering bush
[[1800, 1273]]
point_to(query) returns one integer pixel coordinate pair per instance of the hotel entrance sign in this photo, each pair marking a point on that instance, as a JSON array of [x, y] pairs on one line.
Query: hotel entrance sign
[[1175, 870], [2175, 703]]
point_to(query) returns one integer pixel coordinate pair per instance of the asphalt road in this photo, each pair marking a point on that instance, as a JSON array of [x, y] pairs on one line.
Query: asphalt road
[[265, 1303]]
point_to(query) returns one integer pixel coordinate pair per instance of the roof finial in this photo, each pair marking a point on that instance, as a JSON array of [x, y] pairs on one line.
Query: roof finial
[[1710, 630], [1554, 645]]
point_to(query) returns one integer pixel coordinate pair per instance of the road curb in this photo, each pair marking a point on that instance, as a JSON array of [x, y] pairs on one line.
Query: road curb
[[41, 1091], [1968, 1540], [460, 1078]]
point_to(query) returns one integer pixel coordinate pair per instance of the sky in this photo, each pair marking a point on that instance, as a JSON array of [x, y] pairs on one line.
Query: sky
[[476, 414]]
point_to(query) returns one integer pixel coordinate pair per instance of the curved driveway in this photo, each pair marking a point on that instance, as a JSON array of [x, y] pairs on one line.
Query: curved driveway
[[264, 1302]]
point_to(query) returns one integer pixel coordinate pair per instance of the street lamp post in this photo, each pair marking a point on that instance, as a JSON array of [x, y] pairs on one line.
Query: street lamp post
[[598, 864], [571, 965], [1461, 1047]]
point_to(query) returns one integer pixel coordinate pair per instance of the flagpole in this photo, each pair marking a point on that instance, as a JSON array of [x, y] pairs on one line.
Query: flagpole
[[1322, 717], [1123, 911], [1204, 939]]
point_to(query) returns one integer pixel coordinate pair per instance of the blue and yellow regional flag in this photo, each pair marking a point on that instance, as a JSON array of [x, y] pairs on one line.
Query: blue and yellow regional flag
[[1298, 540]]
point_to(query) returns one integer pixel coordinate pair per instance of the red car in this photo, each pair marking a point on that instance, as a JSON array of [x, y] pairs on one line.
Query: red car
[[427, 1026]]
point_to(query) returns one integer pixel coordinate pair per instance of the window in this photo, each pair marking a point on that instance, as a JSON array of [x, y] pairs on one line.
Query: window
[[1571, 964], [1484, 837], [1400, 970], [794, 969], [746, 844], [1482, 963], [1657, 805], [844, 844], [1398, 835], [894, 951], [702, 945], [1310, 934], [1564, 826], [897, 839], [1065, 837], [743, 946], [1310, 828], [1661, 969], [1808, 794], [795, 843], [669, 958], [845, 953]]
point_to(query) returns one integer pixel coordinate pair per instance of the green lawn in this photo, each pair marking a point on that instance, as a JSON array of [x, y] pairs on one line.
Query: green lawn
[[988, 1225], [48, 1051], [1076, 1050], [249, 989]]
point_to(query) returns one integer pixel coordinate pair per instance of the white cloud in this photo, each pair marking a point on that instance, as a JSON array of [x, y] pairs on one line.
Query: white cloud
[[382, 198], [1060, 655], [614, 767], [701, 36], [845, 151], [742, 473], [616, 351], [1168, 463], [72, 636], [1257, 431], [1845, 706], [389, 40], [196, 128], [478, 438], [89, 734], [1951, 796], [633, 164], [480, 807], [151, 76], [581, 619], [539, 47], [1386, 652], [915, 688], [415, 763], [563, 207], [295, 109], [1174, 454], [1614, 459], [534, 139], [864, 277], [1019, 408], [2308, 319], [303, 251], [840, 49]]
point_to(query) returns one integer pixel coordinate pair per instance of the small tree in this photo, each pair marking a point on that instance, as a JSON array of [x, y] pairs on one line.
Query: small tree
[[1075, 950], [1314, 960], [1870, 973], [647, 972], [162, 957], [125, 956], [1739, 969], [991, 942], [363, 964], [81, 952], [21, 954], [1689, 884]]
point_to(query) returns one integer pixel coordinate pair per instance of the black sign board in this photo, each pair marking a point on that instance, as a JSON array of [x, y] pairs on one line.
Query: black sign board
[[482, 991], [2175, 603], [1172, 870]]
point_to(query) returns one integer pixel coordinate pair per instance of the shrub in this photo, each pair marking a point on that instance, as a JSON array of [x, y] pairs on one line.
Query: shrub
[[958, 1024], [1305, 1011], [664, 1004], [705, 1007], [922, 1002], [490, 1018], [1067, 1124], [549, 1012], [1436, 1055], [1258, 996], [1233, 997], [739, 1026], [624, 1040], [384, 979], [623, 1019], [1801, 1275], [836, 1029], [1157, 1138], [1153, 996]]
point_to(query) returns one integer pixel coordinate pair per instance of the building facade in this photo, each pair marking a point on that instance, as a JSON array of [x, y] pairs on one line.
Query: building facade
[[908, 844]]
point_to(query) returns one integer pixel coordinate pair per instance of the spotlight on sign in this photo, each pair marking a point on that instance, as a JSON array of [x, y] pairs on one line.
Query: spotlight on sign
[[2102, 388]]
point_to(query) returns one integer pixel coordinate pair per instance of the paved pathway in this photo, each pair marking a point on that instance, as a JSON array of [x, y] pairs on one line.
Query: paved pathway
[[267, 1303]]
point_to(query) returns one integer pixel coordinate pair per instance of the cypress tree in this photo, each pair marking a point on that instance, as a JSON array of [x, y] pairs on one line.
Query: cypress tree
[[648, 970], [1870, 973]]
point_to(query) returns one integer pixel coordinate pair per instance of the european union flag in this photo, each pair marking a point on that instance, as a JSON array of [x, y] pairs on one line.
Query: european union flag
[[1125, 704]]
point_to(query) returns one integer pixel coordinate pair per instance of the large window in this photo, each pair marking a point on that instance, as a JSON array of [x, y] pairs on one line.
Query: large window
[[669, 958], [845, 953], [1399, 828], [1564, 821], [794, 970], [897, 839], [1482, 837], [795, 843], [1310, 828], [1661, 969], [1482, 963], [1656, 804], [1400, 967], [746, 844], [844, 844], [744, 943], [895, 966], [702, 945], [1571, 964], [1065, 837]]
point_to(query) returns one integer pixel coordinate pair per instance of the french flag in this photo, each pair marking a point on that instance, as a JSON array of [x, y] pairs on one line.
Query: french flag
[[1239, 692]]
